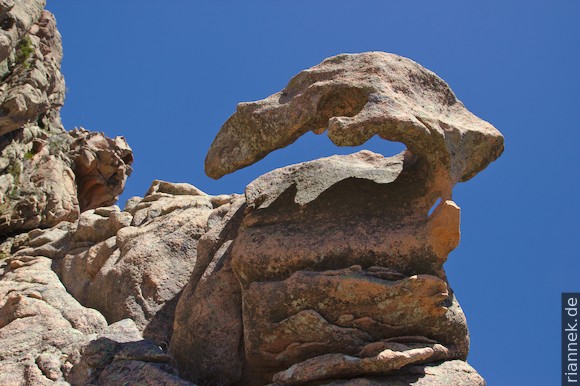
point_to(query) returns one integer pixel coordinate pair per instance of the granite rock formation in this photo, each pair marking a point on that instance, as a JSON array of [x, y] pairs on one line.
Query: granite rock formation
[[128, 266], [48, 175], [42, 327], [327, 272], [355, 97], [138, 261], [340, 260]]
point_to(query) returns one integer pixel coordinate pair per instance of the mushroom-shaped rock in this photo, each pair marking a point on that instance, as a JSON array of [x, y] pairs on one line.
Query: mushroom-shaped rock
[[340, 259], [354, 97]]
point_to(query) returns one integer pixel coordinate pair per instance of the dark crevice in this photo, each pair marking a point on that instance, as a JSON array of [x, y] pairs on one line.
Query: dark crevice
[[7, 23]]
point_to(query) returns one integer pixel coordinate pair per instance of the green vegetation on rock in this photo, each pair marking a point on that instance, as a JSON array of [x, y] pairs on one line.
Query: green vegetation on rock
[[23, 51]]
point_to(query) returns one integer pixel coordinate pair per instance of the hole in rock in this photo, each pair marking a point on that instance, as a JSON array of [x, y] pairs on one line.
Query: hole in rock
[[40, 122], [7, 23], [128, 159], [306, 148], [433, 207], [312, 146]]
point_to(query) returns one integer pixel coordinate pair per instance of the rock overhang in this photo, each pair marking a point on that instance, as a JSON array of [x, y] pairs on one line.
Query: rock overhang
[[354, 97]]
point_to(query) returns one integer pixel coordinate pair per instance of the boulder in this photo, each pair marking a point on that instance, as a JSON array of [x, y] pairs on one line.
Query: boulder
[[101, 166], [207, 331], [120, 356], [341, 252], [48, 184], [135, 266], [340, 260], [324, 272], [42, 327]]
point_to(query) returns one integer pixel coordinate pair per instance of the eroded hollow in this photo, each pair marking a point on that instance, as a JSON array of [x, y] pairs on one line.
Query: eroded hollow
[[313, 146], [7, 23]]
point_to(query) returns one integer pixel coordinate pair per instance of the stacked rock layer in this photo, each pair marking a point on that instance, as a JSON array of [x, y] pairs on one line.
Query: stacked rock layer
[[328, 272]]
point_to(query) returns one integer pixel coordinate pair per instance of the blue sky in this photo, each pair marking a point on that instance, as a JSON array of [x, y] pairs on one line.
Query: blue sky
[[167, 75]]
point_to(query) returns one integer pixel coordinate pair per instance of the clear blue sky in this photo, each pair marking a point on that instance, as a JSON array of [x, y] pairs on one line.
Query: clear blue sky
[[166, 75]]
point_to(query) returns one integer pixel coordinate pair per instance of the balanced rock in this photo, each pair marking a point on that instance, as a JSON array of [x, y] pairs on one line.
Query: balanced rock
[[101, 166], [326, 272], [354, 265], [354, 97], [340, 260]]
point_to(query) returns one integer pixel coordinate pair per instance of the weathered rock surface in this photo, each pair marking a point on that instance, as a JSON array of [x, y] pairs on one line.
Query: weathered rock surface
[[127, 265], [325, 272], [359, 262], [384, 359], [207, 338], [445, 373], [16, 18], [47, 178], [33, 88], [120, 356], [343, 256], [46, 172], [101, 166], [135, 265], [42, 327], [356, 96], [42, 186]]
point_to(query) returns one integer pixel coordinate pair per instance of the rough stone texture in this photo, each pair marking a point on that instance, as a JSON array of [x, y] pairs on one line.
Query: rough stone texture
[[47, 178], [325, 272], [46, 172], [16, 18], [44, 180], [348, 308], [132, 264], [206, 342], [357, 263], [345, 253], [135, 266], [50, 338], [355, 96], [39, 188], [36, 187], [34, 192], [33, 88], [42, 327], [321, 174], [456, 373], [101, 166], [52, 243], [120, 356], [391, 357]]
